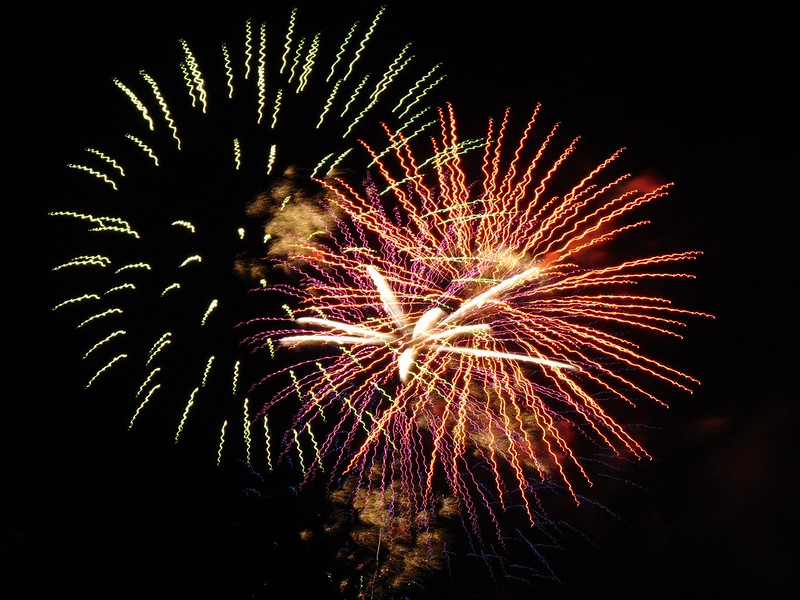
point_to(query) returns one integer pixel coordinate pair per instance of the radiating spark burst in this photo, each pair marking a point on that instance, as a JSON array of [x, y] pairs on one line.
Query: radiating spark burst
[[459, 332], [164, 202]]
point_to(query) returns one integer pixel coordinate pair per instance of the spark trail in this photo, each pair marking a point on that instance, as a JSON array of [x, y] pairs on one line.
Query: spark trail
[[164, 248], [467, 320]]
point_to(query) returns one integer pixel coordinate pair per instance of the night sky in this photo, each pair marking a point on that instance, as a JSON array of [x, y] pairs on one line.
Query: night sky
[[705, 101]]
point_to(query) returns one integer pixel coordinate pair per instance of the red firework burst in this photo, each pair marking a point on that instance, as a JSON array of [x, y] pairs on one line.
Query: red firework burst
[[453, 333]]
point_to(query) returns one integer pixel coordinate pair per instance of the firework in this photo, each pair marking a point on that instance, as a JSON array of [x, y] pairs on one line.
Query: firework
[[447, 341], [166, 217], [465, 329]]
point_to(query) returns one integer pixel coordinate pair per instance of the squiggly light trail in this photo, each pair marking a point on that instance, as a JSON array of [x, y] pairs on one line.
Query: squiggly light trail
[[474, 323]]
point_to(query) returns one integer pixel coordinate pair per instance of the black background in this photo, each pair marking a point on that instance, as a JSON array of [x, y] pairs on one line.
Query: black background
[[705, 99]]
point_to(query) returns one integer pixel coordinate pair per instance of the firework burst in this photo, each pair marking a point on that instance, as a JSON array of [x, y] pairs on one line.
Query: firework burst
[[164, 229], [455, 334]]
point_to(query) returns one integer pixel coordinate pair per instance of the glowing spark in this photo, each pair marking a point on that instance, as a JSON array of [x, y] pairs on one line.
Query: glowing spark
[[213, 305], [158, 346], [134, 266], [137, 103], [147, 149], [119, 288], [221, 441], [107, 159], [141, 406], [104, 341], [424, 331], [186, 413], [299, 451], [354, 95], [248, 44], [342, 49], [275, 110], [314, 444], [262, 72], [164, 108], [228, 69], [207, 371], [101, 315], [82, 298], [297, 54], [187, 78], [237, 154], [147, 381], [320, 165], [392, 72], [271, 159], [246, 429], [309, 64], [185, 225], [288, 44], [363, 43], [235, 381], [191, 260], [338, 160], [267, 442], [91, 171], [196, 78], [418, 95], [105, 368], [114, 224], [328, 103]]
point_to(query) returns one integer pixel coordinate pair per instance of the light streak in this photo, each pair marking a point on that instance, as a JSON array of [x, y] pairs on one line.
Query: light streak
[[185, 224], [94, 172], [262, 72], [273, 150], [363, 42], [119, 288], [221, 441], [418, 95], [158, 346], [267, 442], [207, 371], [185, 415], [237, 153], [137, 103], [141, 406], [147, 149], [104, 341], [248, 46], [195, 77], [190, 260], [107, 159], [276, 109], [246, 426], [98, 316], [147, 381], [164, 108], [81, 298], [309, 64], [288, 42], [134, 267], [342, 50], [211, 307], [228, 69], [105, 368]]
